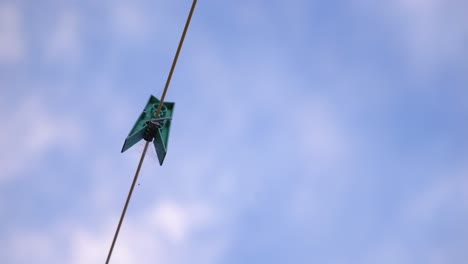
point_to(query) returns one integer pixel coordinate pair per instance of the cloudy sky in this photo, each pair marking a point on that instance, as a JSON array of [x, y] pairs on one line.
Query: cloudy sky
[[303, 132]]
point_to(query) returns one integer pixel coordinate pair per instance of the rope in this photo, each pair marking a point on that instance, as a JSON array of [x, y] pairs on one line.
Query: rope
[[174, 62], [127, 201], [161, 102]]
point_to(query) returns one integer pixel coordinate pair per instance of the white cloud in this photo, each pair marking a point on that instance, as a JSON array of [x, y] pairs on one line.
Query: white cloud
[[449, 192], [440, 202], [388, 253], [129, 19], [30, 131], [40, 247], [172, 221], [321, 136], [64, 42], [176, 222], [12, 45], [430, 34], [168, 233], [87, 247], [435, 32]]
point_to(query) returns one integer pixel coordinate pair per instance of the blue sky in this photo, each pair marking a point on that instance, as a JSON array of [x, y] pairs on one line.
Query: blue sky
[[303, 132]]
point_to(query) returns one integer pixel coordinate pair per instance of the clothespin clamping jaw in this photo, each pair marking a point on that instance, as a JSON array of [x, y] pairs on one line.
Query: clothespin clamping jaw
[[152, 128]]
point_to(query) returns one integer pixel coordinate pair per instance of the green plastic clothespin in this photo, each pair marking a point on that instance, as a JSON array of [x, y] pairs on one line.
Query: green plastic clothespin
[[152, 128]]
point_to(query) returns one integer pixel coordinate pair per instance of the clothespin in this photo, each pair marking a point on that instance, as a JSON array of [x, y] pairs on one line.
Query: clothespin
[[152, 128]]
